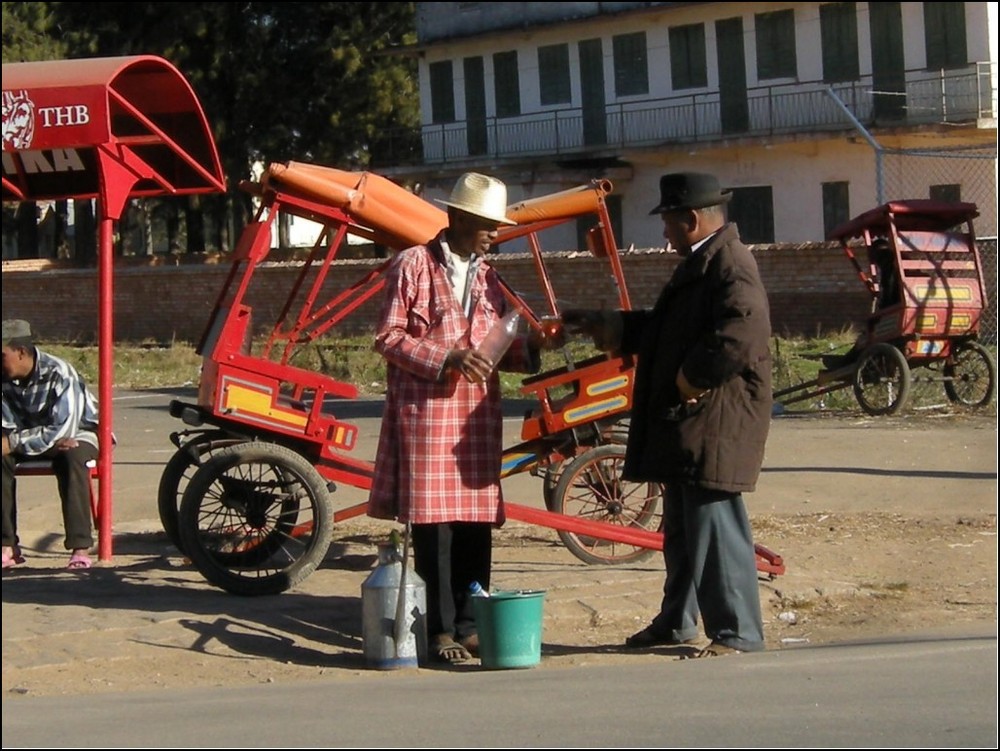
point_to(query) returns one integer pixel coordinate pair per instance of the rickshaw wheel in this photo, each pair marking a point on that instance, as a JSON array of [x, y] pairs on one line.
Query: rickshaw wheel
[[617, 433], [591, 487], [970, 375], [256, 518], [178, 472], [882, 380]]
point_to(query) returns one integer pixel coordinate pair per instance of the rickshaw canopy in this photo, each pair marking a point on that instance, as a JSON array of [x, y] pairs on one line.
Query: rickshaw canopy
[[914, 214]]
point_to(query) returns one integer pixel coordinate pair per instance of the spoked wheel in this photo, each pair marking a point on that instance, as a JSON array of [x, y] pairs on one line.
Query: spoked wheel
[[970, 375], [256, 518], [617, 433], [882, 380], [178, 472], [591, 487]]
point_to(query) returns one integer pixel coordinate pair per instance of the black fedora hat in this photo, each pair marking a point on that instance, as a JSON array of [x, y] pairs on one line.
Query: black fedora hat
[[690, 190]]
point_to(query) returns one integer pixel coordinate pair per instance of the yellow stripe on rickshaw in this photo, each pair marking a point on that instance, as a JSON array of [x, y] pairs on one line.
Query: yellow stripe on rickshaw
[[609, 384], [595, 409], [250, 402], [514, 463], [926, 293]]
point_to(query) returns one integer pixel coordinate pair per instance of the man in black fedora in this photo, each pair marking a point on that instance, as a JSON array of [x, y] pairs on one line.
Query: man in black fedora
[[700, 416]]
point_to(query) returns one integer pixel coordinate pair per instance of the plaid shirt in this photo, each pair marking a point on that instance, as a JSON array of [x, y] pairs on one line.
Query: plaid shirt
[[441, 439], [51, 403]]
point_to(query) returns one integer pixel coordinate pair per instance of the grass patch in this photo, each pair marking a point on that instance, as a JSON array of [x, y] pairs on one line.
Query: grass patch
[[351, 359]]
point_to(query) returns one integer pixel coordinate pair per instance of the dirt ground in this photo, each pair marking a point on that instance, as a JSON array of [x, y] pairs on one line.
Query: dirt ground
[[901, 541]]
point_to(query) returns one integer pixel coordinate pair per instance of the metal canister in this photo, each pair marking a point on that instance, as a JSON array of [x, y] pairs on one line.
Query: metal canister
[[387, 647]]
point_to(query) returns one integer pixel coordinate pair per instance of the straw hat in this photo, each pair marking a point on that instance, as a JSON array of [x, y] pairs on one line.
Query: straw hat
[[480, 195]]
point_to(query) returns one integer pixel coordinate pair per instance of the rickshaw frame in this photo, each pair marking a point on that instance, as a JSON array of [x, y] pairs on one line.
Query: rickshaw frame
[[246, 495], [924, 253]]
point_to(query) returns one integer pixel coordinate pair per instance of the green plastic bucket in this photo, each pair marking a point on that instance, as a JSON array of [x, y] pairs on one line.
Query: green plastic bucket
[[510, 628]]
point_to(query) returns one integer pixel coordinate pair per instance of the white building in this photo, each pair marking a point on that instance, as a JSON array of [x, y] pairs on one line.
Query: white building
[[802, 108]]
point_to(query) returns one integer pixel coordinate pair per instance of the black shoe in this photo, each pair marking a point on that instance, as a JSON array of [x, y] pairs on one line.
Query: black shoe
[[649, 637]]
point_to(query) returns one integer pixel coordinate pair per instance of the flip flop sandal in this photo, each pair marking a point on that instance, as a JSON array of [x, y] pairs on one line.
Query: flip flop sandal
[[79, 561], [446, 649], [471, 644]]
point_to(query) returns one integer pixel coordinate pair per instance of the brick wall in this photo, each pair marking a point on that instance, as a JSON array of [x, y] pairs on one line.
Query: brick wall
[[812, 289]]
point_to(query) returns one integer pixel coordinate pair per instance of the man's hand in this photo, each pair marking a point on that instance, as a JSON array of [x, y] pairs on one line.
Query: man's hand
[[65, 444], [471, 365], [603, 326], [550, 334], [6, 446], [689, 393]]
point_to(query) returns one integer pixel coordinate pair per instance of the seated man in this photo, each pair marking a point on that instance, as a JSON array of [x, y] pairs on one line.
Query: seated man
[[48, 413], [881, 258]]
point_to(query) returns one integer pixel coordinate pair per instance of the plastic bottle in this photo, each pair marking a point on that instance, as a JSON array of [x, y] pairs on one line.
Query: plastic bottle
[[476, 590], [500, 337]]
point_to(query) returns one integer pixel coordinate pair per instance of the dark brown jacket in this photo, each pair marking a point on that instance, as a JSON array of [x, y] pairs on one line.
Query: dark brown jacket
[[712, 320]]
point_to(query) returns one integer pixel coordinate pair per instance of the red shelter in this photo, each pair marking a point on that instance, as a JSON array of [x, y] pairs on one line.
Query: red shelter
[[110, 129]]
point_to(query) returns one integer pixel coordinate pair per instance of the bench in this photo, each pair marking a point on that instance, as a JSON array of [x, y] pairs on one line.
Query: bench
[[43, 468]]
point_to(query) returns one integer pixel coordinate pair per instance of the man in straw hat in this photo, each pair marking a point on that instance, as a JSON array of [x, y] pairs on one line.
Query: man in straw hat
[[437, 467], [49, 413], [700, 416]]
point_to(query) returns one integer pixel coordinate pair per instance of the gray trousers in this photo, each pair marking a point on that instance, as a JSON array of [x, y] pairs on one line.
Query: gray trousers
[[73, 479], [711, 567]]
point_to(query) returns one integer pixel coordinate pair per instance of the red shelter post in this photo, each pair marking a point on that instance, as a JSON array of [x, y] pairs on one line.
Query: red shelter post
[[108, 129]]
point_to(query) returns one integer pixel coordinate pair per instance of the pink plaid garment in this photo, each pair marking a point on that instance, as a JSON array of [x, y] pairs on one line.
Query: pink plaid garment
[[441, 438]]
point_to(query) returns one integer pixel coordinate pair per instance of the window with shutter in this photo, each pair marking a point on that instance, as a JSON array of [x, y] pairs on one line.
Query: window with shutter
[[506, 84], [838, 23], [442, 92], [945, 192], [688, 66], [836, 206], [944, 35], [553, 74], [631, 69], [752, 210], [775, 35]]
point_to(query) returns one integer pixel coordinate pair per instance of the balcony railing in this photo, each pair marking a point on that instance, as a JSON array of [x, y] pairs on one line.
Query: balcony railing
[[965, 95]]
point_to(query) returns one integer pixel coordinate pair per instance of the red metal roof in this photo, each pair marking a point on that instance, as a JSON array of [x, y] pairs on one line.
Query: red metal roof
[[110, 128], [912, 214]]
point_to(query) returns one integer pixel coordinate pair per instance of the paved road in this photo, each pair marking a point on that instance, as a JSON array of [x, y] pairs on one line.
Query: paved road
[[916, 693]]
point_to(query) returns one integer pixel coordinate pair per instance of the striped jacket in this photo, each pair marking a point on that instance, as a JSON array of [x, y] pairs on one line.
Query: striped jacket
[[51, 403]]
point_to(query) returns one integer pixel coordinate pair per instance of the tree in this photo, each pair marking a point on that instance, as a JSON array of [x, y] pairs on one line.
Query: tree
[[278, 81], [30, 33]]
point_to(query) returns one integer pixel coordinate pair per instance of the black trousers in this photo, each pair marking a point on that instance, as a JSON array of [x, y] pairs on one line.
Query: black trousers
[[449, 557], [73, 479]]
